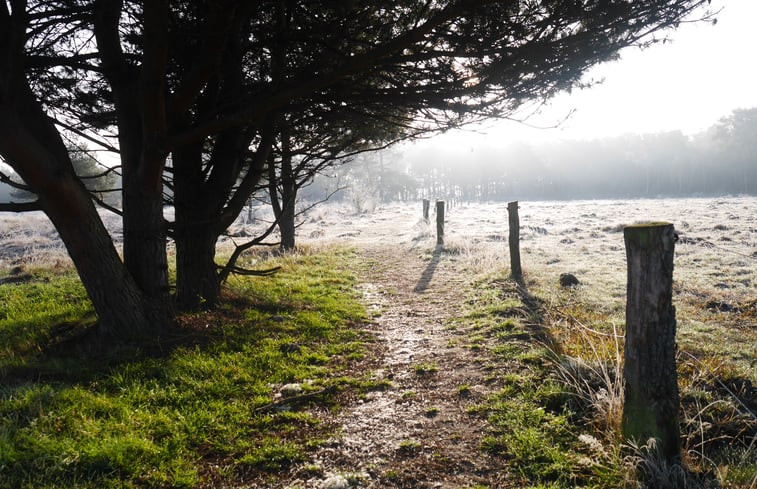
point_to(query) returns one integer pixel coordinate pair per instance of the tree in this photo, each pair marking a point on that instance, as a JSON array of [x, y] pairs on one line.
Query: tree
[[732, 145], [437, 67], [100, 181], [204, 82], [32, 145], [311, 143]]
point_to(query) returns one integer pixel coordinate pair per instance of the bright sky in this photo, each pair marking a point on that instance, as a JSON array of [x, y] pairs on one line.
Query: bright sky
[[706, 72]]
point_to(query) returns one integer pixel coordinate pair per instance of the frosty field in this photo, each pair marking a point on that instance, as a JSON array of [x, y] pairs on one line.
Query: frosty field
[[715, 274], [715, 259], [459, 366]]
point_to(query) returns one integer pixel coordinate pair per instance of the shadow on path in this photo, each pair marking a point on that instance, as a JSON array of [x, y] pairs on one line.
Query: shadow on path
[[428, 273]]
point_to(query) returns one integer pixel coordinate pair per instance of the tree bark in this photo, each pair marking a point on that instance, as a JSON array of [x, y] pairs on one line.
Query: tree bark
[[651, 402], [197, 282], [124, 312], [286, 211], [139, 99], [286, 219], [196, 232], [144, 248]]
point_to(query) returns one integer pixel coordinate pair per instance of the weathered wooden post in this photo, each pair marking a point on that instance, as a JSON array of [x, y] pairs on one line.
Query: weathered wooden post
[[650, 409], [426, 205], [439, 222], [514, 240]]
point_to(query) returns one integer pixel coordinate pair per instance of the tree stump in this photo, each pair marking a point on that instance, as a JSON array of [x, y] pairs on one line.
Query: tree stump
[[514, 240], [651, 402], [439, 222], [426, 205]]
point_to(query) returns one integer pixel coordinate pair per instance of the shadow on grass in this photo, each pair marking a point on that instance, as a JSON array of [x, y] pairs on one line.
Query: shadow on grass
[[537, 325], [76, 353]]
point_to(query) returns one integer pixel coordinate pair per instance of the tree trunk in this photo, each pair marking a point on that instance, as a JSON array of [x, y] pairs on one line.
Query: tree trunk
[[195, 233], [139, 97], [123, 310], [145, 254], [286, 219], [651, 402], [144, 250], [204, 209], [284, 210], [197, 283]]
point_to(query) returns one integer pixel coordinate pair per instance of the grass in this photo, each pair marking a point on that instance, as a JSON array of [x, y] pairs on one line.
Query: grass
[[425, 369], [557, 415], [38, 312], [188, 414], [409, 447]]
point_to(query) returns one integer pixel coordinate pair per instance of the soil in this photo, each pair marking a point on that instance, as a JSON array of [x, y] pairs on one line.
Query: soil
[[418, 433]]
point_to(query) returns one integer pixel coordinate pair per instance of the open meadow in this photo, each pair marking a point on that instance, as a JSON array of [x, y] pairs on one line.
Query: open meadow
[[375, 359], [715, 274]]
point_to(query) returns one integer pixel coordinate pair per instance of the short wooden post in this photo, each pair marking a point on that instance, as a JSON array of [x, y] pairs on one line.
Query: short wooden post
[[514, 240], [426, 205], [650, 409], [439, 222]]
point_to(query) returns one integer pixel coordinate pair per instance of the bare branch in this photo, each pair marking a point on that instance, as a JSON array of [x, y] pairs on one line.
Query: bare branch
[[20, 206]]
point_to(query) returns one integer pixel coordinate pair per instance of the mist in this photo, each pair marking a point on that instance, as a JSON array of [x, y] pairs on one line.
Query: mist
[[721, 160]]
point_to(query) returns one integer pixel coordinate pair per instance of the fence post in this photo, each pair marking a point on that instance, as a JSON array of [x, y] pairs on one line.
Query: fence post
[[439, 222], [426, 205], [650, 409], [514, 240]]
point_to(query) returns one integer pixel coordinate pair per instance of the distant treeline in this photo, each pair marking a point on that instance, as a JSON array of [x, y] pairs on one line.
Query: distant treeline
[[721, 160]]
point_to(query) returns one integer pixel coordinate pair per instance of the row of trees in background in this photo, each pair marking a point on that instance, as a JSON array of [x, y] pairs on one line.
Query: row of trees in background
[[721, 160]]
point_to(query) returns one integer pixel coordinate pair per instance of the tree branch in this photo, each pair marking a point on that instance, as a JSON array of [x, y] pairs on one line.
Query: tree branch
[[84, 135], [20, 206], [305, 86]]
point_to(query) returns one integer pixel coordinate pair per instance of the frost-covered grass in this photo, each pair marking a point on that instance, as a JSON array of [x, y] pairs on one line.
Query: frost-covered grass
[[715, 284], [573, 384]]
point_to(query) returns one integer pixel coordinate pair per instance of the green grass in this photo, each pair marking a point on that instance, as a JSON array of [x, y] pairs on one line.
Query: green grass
[[561, 432], [76, 418], [532, 422], [425, 369], [38, 312]]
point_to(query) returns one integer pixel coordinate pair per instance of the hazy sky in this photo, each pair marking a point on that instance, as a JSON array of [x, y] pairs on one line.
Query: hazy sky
[[706, 72]]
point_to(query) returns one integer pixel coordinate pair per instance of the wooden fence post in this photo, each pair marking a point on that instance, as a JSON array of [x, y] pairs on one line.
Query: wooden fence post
[[426, 205], [650, 409], [514, 240], [439, 222]]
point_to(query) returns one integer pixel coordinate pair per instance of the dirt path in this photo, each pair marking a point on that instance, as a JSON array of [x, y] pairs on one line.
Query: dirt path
[[418, 433]]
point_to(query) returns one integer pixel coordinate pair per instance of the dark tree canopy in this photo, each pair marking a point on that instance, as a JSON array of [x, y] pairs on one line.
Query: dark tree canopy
[[207, 82]]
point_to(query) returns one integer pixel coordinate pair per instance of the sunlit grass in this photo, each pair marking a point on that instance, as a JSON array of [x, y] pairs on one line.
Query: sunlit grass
[[51, 304], [190, 413], [557, 416]]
